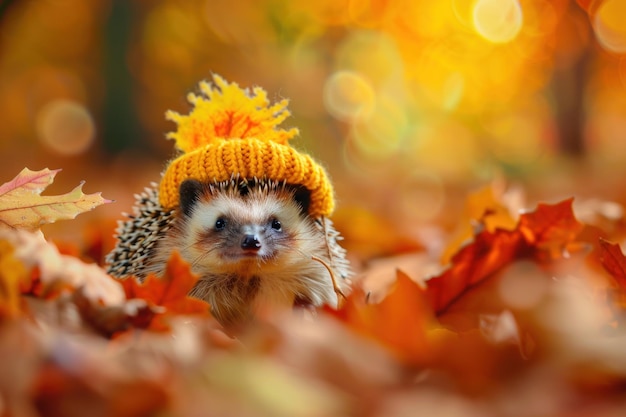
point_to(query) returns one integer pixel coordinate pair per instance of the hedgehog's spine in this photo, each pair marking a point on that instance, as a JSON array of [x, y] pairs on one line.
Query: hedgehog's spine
[[138, 236]]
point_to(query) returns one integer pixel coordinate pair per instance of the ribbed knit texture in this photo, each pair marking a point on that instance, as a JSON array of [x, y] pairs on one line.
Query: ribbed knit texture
[[230, 132]]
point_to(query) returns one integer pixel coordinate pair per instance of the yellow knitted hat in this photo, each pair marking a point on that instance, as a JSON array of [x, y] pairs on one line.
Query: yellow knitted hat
[[231, 132]]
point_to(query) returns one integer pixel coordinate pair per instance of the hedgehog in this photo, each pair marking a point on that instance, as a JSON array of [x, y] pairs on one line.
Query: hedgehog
[[248, 212]]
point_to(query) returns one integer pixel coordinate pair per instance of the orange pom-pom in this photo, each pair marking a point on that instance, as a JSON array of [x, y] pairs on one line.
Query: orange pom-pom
[[225, 111]]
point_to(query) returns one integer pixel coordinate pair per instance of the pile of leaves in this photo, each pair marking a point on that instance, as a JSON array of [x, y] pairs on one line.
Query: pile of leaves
[[522, 316]]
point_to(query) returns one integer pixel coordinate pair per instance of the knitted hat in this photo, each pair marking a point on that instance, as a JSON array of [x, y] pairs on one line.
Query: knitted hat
[[231, 132]]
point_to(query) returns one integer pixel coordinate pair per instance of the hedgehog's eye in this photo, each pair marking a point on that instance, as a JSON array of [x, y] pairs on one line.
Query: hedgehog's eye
[[220, 224], [276, 225]]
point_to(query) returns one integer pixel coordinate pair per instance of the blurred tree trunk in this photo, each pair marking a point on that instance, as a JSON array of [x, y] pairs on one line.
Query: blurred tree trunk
[[4, 6], [568, 86], [121, 128], [569, 83]]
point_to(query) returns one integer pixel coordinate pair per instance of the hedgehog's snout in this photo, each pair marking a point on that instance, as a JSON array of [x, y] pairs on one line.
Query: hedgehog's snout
[[250, 243]]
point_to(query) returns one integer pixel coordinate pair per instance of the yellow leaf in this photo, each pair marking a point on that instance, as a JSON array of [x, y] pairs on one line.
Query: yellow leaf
[[22, 206], [12, 272], [486, 209]]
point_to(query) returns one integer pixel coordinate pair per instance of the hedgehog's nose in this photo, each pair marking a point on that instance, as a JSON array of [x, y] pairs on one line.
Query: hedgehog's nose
[[250, 242]]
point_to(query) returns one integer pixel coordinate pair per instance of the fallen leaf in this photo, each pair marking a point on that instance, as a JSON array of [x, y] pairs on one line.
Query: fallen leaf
[[614, 261], [13, 274], [111, 321], [550, 229], [84, 376], [22, 206], [471, 265], [400, 321], [169, 291], [55, 271], [487, 209]]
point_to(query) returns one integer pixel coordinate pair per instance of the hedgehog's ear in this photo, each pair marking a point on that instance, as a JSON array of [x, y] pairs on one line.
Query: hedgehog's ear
[[189, 193], [302, 196]]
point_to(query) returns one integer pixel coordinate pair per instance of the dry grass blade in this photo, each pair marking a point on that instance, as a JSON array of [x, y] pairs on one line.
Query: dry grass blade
[[336, 287]]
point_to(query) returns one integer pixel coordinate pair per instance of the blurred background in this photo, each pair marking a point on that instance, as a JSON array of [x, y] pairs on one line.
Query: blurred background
[[409, 103]]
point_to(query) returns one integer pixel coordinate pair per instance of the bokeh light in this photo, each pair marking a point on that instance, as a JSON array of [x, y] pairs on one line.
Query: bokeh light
[[498, 21], [65, 127], [381, 133], [348, 95], [610, 25]]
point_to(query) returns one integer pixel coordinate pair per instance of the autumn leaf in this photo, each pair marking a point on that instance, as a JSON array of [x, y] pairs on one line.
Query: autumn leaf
[[551, 226], [57, 389], [169, 292], [56, 272], [548, 229], [472, 264], [13, 273], [22, 206], [614, 261], [484, 208], [400, 321]]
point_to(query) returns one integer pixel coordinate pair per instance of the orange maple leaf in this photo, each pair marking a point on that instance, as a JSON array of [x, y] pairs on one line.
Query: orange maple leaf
[[551, 226], [488, 253], [400, 322], [169, 291], [548, 229], [483, 207]]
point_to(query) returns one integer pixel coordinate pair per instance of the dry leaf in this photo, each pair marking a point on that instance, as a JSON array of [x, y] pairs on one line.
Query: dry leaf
[[471, 265], [13, 274], [551, 226], [486, 208], [614, 261], [400, 321], [56, 270], [169, 292], [547, 230], [22, 206]]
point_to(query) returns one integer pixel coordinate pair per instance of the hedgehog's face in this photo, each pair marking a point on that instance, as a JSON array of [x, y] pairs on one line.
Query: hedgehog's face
[[241, 231]]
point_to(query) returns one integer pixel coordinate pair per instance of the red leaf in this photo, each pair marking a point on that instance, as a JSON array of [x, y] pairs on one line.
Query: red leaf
[[487, 254], [614, 261], [550, 226]]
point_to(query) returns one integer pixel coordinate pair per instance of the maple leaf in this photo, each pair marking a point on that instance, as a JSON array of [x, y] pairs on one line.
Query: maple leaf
[[400, 321], [548, 229], [22, 206], [551, 226], [472, 264], [170, 291], [614, 261], [483, 208]]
